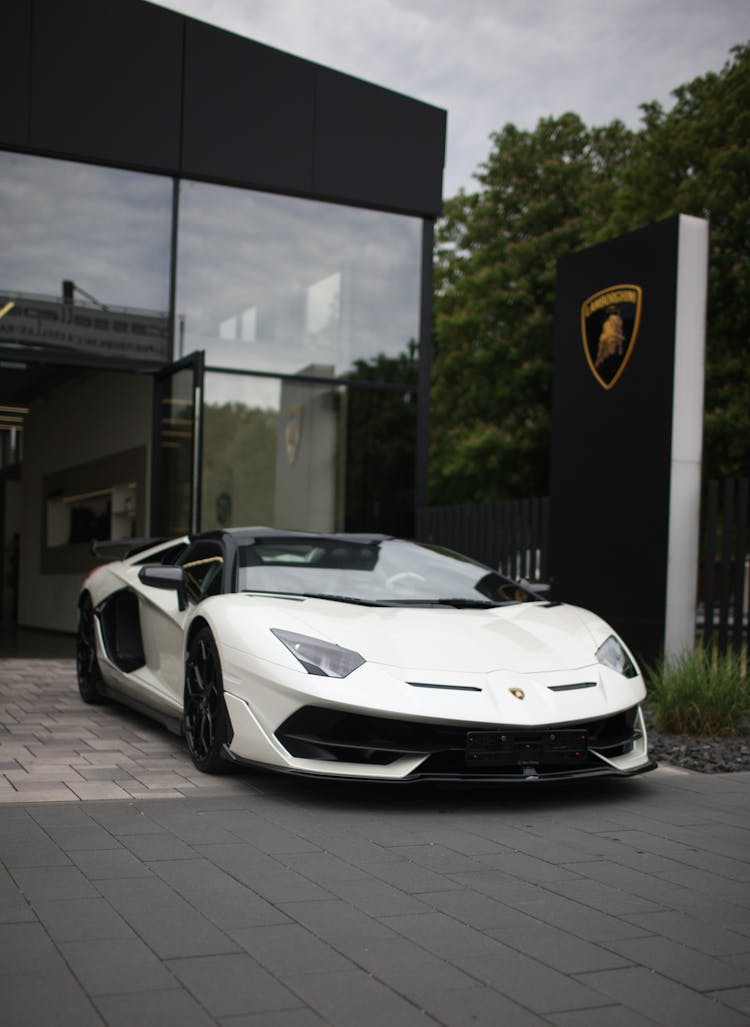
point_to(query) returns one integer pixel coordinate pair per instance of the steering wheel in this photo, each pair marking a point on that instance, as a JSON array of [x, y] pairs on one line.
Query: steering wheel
[[401, 576]]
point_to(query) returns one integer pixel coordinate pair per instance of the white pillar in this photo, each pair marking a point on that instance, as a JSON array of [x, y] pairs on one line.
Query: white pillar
[[687, 435]]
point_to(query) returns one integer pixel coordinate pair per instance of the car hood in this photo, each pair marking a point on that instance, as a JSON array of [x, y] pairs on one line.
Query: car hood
[[528, 637]]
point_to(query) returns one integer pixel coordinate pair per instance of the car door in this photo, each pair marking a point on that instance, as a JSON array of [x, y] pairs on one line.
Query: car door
[[163, 623]]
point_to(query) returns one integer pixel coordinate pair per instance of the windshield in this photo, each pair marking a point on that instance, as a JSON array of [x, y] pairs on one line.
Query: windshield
[[389, 571]]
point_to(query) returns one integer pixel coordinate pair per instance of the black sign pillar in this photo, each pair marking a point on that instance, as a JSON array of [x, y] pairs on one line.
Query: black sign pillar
[[627, 431]]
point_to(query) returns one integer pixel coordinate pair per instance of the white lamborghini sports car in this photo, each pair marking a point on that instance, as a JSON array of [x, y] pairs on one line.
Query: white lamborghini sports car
[[358, 656]]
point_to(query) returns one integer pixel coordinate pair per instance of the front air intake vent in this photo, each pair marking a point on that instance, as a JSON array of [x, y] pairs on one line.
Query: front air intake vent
[[448, 688], [318, 733]]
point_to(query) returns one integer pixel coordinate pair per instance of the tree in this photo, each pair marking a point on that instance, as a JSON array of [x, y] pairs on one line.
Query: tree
[[543, 194], [239, 465], [695, 159], [380, 441], [554, 190]]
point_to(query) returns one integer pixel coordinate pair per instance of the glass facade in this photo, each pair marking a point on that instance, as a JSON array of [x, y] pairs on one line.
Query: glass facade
[[304, 455], [272, 450], [85, 258], [315, 307], [290, 286]]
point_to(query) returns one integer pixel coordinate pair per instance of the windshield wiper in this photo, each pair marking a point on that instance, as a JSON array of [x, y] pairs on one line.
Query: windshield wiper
[[458, 604], [314, 595]]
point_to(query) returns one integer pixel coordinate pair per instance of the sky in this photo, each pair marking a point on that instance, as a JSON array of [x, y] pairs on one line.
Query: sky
[[490, 62]]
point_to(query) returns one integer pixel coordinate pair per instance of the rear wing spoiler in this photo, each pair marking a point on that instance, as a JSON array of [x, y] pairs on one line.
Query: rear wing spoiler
[[121, 548]]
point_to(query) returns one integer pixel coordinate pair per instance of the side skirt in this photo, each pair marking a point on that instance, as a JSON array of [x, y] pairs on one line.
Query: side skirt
[[173, 723]]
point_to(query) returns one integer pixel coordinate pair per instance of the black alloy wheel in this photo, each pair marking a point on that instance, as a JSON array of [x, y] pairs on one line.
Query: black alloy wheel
[[87, 667], [205, 720]]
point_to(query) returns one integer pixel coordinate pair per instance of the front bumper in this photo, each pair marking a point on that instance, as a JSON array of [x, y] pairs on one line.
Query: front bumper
[[325, 741]]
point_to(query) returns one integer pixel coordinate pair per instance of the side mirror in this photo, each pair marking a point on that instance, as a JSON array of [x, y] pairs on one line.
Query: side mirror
[[170, 578]]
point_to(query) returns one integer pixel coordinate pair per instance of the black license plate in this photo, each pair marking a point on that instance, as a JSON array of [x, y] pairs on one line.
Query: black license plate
[[525, 748]]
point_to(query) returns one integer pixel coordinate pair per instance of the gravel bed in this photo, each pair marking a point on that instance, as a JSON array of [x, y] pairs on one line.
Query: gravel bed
[[707, 755]]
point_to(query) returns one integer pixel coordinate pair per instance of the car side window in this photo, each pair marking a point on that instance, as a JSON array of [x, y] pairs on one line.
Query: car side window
[[203, 564]]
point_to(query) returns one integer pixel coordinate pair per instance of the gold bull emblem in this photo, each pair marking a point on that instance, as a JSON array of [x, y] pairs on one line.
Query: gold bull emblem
[[610, 320]]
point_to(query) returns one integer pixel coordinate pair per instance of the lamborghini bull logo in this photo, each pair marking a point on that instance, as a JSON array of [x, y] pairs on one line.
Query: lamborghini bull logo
[[609, 324]]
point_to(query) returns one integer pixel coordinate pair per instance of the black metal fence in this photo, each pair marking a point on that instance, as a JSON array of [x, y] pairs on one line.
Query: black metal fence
[[509, 534], [513, 536], [724, 577]]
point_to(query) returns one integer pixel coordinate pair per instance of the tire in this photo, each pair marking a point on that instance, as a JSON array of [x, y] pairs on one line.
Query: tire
[[205, 717], [87, 668]]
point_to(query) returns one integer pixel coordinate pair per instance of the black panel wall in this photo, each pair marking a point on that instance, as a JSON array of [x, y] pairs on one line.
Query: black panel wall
[[106, 82], [610, 471], [373, 143], [249, 112], [15, 72], [128, 83]]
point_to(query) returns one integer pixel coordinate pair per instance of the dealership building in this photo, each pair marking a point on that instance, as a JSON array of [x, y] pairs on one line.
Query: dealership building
[[215, 291]]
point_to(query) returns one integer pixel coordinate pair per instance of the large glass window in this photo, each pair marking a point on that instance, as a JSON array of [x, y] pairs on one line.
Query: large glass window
[[84, 258], [271, 453], [307, 456], [284, 285]]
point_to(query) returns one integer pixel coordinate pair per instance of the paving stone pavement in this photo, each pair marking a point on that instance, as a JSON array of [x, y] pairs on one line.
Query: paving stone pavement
[[134, 891]]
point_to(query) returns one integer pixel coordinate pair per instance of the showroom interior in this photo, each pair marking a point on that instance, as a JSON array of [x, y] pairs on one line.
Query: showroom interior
[[215, 292]]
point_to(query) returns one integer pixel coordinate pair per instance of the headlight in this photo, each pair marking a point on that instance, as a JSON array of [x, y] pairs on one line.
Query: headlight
[[612, 655], [319, 657]]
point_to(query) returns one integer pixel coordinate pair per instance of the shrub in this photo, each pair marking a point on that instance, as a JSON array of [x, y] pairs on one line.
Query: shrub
[[700, 692]]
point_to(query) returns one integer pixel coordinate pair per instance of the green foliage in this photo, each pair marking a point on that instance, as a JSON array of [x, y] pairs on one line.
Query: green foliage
[[239, 445], [548, 192], [376, 440], [543, 194], [380, 440], [695, 159], [700, 693]]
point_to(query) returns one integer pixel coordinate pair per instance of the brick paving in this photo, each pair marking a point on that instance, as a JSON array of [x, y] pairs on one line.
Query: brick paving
[[54, 748], [135, 891]]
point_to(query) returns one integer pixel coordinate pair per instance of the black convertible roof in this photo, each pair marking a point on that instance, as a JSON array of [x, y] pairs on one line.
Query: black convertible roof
[[246, 536]]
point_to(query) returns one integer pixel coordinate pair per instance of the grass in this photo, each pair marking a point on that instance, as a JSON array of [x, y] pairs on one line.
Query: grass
[[701, 693]]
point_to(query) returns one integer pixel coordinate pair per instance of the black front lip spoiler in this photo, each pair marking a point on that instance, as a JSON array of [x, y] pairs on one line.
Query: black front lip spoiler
[[466, 779]]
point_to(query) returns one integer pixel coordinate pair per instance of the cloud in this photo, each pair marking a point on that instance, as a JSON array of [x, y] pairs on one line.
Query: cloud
[[242, 251], [488, 63], [107, 229]]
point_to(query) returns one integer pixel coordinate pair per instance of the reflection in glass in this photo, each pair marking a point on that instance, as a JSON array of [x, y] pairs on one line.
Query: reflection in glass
[[375, 572], [172, 499], [381, 432], [239, 443], [306, 456], [103, 228], [276, 283], [271, 453], [84, 257]]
